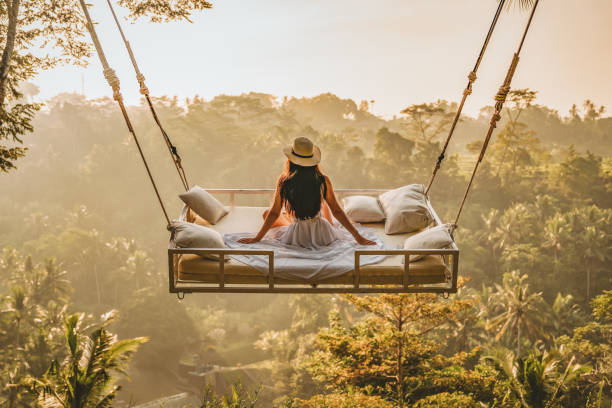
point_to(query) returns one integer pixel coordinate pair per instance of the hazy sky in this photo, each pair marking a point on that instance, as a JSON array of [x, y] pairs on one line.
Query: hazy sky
[[394, 52]]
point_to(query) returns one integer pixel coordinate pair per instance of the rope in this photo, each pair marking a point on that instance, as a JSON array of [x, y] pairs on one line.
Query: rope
[[468, 91], [113, 81], [500, 99], [176, 158]]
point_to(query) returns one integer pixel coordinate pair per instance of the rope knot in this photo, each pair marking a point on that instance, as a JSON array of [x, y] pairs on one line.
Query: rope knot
[[143, 87], [468, 91], [472, 76], [502, 94], [494, 119], [111, 77]]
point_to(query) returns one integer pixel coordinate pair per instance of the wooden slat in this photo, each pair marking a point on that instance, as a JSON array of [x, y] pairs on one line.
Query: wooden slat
[[363, 252], [219, 251], [171, 278], [356, 271], [271, 271], [455, 271], [406, 277], [221, 270], [265, 289]]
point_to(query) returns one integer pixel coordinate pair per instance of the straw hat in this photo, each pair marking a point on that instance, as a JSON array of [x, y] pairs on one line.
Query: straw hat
[[303, 152]]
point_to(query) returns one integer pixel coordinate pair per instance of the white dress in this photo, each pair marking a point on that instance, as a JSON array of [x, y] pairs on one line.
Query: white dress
[[311, 233], [308, 250]]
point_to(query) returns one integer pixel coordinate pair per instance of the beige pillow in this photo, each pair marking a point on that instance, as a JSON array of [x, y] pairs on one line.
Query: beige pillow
[[204, 204], [363, 209], [437, 237], [188, 235], [405, 209]]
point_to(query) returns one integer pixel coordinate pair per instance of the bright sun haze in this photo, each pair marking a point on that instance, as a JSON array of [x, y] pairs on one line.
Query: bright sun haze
[[395, 52]]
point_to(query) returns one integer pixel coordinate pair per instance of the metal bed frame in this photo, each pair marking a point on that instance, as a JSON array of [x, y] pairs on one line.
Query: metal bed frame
[[450, 257]]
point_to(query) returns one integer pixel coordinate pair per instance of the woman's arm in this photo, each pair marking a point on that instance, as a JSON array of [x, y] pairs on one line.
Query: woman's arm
[[340, 215], [272, 216]]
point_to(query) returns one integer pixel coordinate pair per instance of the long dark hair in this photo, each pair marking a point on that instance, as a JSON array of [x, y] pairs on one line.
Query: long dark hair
[[302, 189]]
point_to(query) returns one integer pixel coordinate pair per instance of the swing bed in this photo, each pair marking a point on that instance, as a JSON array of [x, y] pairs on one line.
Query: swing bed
[[190, 272]]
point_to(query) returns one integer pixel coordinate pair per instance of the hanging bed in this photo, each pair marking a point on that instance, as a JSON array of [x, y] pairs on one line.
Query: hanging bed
[[189, 271]]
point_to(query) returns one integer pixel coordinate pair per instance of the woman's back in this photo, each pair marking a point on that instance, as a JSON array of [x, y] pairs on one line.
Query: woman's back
[[302, 189]]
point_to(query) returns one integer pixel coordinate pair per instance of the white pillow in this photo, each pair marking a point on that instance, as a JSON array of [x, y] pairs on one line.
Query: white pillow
[[363, 209], [405, 209], [204, 204], [437, 237], [188, 235]]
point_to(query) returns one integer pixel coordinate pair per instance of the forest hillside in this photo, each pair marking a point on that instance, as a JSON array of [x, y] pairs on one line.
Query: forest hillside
[[81, 235]]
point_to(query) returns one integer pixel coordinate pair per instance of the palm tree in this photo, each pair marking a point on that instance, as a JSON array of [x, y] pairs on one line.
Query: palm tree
[[566, 315], [87, 378], [593, 251], [19, 309], [518, 310], [554, 232], [535, 380]]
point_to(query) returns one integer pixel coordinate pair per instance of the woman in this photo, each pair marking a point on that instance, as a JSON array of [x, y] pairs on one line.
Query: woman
[[307, 196]]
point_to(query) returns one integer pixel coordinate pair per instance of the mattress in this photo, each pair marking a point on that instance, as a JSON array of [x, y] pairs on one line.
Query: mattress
[[193, 268]]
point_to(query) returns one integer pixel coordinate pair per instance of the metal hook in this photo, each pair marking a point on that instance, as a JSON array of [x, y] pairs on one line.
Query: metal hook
[[180, 295]]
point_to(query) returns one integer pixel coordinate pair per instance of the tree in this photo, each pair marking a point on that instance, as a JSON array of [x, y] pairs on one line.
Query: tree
[[351, 399], [554, 232], [31, 316], [28, 26], [516, 151], [427, 121], [448, 400], [392, 156], [240, 398], [88, 377], [579, 178], [390, 354], [591, 344], [518, 311], [566, 315], [535, 381]]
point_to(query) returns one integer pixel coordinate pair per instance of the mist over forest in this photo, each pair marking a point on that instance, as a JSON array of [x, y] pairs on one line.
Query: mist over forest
[[531, 326]]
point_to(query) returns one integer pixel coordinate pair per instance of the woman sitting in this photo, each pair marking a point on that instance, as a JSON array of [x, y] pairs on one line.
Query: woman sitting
[[302, 203]]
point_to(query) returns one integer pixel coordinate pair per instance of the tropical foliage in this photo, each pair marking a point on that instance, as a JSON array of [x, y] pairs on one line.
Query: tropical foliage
[[87, 377], [28, 27], [535, 241]]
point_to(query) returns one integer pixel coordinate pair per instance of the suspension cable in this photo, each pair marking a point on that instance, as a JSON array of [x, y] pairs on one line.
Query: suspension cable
[[500, 98], [113, 81], [176, 158], [468, 91]]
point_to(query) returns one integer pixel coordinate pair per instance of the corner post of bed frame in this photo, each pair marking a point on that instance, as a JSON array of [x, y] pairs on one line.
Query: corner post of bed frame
[[455, 270], [405, 277], [356, 272], [171, 283], [221, 270], [271, 270]]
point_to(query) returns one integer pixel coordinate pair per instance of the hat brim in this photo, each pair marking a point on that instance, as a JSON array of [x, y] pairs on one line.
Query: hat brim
[[303, 161]]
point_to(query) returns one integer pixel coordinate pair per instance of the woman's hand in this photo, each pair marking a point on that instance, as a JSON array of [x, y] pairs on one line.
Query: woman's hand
[[364, 241], [249, 240]]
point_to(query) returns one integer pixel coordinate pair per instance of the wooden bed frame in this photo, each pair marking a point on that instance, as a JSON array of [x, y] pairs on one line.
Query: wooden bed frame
[[450, 257]]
